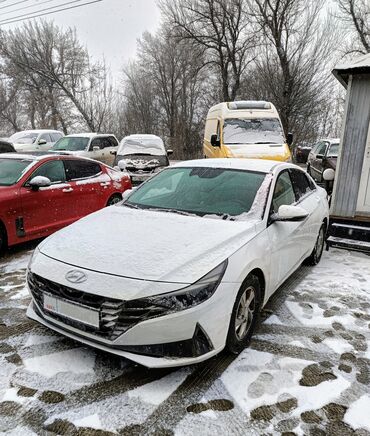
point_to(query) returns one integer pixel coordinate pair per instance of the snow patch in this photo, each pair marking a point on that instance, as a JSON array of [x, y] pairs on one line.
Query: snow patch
[[357, 415]]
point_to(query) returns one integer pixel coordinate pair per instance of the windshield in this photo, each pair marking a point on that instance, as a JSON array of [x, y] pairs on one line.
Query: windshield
[[71, 143], [151, 146], [23, 138], [253, 131], [201, 191], [333, 150], [11, 170]]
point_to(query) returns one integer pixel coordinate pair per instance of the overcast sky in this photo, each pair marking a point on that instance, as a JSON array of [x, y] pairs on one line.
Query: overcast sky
[[109, 28]]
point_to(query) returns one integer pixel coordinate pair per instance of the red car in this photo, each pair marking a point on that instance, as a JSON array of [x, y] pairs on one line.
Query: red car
[[39, 195]]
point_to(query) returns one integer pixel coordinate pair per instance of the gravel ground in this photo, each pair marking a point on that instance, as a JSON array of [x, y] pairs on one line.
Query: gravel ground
[[306, 371]]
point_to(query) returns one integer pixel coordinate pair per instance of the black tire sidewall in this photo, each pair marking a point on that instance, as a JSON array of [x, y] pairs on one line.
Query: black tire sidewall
[[111, 198], [233, 344]]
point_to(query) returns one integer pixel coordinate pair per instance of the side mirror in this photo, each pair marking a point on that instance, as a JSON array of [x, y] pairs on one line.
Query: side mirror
[[215, 142], [96, 148], [328, 175], [169, 152], [320, 156], [290, 214], [122, 165], [113, 152], [39, 182], [289, 139], [42, 142]]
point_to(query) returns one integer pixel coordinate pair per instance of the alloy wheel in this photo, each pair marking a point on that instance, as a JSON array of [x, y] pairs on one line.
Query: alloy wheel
[[245, 313]]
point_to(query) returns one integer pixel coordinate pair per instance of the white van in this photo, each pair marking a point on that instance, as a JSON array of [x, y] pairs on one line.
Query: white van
[[246, 129]]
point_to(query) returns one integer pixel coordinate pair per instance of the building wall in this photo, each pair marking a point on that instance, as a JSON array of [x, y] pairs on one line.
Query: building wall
[[353, 144]]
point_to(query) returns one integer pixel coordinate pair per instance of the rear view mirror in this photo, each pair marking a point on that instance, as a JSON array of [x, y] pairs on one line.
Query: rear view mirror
[[328, 174], [289, 139], [215, 142], [290, 213], [39, 182]]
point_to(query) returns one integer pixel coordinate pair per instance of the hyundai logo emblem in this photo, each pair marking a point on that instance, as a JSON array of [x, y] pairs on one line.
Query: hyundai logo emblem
[[76, 276]]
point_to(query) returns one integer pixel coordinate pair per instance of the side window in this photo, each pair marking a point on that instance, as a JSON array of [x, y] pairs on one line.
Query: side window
[[113, 141], [321, 148], [46, 137], [81, 169], [53, 170], [301, 183], [105, 143], [283, 192], [55, 136], [218, 131], [97, 142]]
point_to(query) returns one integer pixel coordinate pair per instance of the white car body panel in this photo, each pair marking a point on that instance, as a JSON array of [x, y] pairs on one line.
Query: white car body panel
[[136, 254], [35, 146]]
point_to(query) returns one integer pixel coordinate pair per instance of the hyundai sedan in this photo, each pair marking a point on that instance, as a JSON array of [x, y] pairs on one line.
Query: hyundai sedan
[[181, 269]]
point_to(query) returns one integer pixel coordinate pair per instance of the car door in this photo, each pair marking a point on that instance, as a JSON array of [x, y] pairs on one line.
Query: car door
[[317, 162], [308, 198], [47, 209], [110, 149], [96, 150], [286, 239], [88, 183], [44, 142]]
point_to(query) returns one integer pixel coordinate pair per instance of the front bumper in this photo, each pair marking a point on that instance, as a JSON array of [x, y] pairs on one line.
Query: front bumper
[[176, 339]]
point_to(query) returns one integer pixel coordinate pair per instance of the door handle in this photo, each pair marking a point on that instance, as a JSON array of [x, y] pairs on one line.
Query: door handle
[[66, 190]]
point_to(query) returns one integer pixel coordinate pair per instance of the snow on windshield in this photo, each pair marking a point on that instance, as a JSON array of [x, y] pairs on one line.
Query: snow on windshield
[[253, 131], [152, 145]]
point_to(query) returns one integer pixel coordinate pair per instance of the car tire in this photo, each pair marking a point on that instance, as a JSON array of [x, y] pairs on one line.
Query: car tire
[[114, 199], [244, 315], [316, 254]]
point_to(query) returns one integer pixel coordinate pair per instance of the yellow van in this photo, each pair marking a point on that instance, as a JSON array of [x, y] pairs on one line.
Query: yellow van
[[246, 129]]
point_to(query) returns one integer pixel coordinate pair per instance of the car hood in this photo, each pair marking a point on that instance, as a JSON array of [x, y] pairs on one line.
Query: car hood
[[148, 245], [258, 151]]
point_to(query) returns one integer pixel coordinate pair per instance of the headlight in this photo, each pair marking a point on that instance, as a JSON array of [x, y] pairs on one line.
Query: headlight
[[184, 298]]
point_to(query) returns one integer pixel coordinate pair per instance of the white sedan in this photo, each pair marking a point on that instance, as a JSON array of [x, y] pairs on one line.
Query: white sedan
[[182, 267]]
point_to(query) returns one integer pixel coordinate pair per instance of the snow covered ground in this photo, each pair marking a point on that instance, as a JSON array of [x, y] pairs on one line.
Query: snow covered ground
[[307, 370]]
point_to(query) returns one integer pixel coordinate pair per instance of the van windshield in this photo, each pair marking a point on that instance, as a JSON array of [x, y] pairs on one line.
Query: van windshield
[[253, 131]]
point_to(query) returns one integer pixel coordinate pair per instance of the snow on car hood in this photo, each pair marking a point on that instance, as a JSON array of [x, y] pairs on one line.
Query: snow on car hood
[[261, 151], [148, 245]]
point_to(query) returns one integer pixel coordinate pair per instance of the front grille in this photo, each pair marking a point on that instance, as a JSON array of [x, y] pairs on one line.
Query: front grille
[[116, 316]]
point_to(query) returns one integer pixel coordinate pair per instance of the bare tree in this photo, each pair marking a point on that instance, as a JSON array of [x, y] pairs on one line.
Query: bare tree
[[292, 70], [52, 61], [356, 13], [221, 29]]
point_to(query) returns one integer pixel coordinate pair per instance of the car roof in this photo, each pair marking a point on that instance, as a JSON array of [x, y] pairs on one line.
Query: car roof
[[33, 157], [331, 140], [37, 131], [88, 135], [259, 165]]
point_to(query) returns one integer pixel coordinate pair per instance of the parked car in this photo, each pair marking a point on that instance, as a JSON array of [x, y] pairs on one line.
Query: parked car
[[246, 129], [142, 156], [34, 140], [301, 152], [96, 146], [39, 195], [180, 269], [323, 155], [6, 147]]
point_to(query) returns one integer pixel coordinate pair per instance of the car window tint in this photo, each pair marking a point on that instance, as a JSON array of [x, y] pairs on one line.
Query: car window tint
[[283, 192], [105, 143], [81, 169], [6, 148], [113, 141], [300, 183], [53, 170]]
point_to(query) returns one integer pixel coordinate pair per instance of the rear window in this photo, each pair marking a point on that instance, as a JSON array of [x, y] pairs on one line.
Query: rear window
[[81, 169]]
